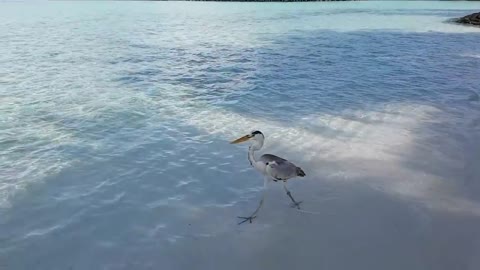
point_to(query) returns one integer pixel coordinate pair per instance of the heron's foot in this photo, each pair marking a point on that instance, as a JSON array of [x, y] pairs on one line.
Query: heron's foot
[[245, 219], [296, 204]]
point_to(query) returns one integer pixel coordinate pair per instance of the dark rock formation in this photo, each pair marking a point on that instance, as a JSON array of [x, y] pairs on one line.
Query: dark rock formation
[[472, 19]]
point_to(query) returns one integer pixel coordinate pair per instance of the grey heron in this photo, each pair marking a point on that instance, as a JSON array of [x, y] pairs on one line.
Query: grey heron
[[273, 168]]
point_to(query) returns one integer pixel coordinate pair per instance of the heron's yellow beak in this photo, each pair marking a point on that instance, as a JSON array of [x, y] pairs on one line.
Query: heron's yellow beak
[[241, 139]]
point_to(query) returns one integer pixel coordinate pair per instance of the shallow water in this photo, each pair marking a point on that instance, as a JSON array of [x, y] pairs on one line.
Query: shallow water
[[115, 119]]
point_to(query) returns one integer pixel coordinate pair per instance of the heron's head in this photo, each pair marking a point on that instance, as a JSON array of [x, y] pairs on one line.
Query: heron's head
[[255, 135]]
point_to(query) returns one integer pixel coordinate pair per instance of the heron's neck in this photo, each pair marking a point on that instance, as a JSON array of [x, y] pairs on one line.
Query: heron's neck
[[257, 145]]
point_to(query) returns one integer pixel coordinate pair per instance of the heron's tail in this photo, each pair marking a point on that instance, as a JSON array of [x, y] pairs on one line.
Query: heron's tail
[[300, 172]]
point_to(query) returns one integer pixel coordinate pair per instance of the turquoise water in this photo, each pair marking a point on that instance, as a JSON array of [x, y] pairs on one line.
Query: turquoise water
[[115, 119]]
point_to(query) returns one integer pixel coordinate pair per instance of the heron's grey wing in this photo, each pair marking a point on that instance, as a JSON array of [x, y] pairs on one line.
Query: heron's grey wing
[[269, 158], [279, 168]]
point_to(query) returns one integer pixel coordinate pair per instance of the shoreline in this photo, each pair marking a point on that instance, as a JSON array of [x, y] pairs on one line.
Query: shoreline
[[279, 1]]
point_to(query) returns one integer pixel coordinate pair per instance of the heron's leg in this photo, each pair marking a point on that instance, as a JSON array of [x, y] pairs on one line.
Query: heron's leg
[[295, 203], [253, 215]]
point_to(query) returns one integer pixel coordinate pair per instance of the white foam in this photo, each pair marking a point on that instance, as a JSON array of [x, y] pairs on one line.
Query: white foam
[[471, 55]]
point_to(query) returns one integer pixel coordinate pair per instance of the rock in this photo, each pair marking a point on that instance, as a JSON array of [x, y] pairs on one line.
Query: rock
[[472, 19]]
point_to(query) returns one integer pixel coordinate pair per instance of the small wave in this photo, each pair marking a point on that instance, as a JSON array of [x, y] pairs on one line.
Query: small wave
[[471, 55]]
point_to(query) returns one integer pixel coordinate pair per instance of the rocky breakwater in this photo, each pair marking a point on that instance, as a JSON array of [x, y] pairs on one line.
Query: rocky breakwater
[[472, 19]]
